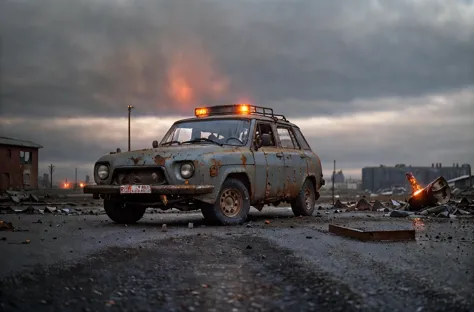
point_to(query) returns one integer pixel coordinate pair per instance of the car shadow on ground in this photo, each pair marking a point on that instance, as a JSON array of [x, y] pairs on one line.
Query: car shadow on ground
[[183, 220]]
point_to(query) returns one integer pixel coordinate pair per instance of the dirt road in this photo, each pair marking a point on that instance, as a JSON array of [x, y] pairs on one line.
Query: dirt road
[[87, 263]]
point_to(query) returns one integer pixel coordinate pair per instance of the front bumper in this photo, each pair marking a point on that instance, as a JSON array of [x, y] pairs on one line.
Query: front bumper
[[155, 189]]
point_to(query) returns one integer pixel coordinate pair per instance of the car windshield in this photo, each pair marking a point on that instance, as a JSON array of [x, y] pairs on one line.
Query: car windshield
[[220, 131]]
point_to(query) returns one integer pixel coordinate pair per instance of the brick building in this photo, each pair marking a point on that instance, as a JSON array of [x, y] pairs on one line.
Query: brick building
[[18, 164]]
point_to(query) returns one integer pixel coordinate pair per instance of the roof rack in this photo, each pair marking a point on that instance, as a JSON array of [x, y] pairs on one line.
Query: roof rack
[[242, 109]]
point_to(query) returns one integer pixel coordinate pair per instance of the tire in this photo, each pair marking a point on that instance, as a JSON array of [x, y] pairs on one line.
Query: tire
[[303, 204], [120, 213], [232, 205]]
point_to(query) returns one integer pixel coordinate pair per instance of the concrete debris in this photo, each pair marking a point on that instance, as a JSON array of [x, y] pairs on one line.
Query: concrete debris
[[464, 202], [433, 210], [50, 209], [339, 205], [377, 205], [363, 204]]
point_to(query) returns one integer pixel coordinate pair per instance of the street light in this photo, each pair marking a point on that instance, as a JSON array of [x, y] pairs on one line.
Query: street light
[[129, 110]]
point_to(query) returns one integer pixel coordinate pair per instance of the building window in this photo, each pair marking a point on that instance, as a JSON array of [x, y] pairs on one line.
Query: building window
[[25, 157], [26, 179], [9, 153]]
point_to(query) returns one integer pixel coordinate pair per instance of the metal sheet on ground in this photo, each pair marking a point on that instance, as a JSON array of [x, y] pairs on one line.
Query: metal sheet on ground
[[384, 235]]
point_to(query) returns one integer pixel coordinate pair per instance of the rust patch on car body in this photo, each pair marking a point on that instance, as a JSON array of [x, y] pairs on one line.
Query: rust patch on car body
[[214, 167], [159, 160], [244, 160], [135, 160]]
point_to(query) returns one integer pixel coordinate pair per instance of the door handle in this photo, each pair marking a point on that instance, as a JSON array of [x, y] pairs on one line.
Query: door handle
[[279, 155]]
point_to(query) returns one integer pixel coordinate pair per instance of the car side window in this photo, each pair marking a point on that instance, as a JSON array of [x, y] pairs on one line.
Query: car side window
[[287, 138], [301, 139], [264, 134]]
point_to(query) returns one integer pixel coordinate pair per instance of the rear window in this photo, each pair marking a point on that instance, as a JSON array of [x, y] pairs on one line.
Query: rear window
[[301, 139]]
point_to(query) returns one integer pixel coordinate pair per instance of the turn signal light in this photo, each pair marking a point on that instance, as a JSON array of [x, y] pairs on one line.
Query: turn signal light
[[199, 112]]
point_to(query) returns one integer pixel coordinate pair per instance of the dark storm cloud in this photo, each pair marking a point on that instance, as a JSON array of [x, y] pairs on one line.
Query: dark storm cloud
[[88, 57]]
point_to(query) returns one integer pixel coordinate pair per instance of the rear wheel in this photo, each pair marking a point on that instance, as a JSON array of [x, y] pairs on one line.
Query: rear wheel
[[303, 204], [123, 213], [232, 205]]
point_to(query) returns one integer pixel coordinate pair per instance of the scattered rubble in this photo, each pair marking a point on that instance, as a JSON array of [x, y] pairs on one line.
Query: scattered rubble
[[28, 203], [435, 200]]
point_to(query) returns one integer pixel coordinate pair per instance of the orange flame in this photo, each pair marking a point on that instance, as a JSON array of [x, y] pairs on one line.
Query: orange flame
[[415, 187]]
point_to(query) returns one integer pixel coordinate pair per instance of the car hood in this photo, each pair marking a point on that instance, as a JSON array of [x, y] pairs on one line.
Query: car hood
[[159, 155]]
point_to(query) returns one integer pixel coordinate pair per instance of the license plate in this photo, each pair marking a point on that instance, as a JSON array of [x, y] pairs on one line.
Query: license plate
[[135, 189]]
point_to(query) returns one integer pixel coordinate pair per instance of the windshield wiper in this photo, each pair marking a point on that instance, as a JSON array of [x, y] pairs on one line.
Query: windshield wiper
[[171, 142], [201, 140]]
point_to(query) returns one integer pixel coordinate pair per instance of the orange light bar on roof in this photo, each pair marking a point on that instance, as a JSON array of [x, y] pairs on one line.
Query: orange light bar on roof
[[200, 112], [244, 109]]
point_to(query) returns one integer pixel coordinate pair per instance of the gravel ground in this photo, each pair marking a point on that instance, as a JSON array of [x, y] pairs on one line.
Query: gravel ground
[[87, 263]]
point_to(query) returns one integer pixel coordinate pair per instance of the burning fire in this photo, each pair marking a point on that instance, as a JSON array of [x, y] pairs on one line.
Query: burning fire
[[415, 187]]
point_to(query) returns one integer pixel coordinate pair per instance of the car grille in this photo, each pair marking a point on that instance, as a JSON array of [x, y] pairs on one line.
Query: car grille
[[149, 176]]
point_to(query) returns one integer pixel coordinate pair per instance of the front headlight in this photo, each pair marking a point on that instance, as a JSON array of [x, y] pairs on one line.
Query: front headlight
[[103, 172], [187, 170]]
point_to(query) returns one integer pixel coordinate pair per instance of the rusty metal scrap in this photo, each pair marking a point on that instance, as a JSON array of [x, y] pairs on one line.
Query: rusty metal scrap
[[6, 226], [397, 235], [436, 193]]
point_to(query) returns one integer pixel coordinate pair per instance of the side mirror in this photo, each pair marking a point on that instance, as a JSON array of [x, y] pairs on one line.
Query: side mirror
[[154, 144]]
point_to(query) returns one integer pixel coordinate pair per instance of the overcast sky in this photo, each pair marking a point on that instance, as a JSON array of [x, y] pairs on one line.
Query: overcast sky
[[369, 82]]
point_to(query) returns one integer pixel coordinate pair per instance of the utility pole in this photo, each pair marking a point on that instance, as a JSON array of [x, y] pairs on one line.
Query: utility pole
[[51, 170], [75, 180], [129, 111], [333, 177]]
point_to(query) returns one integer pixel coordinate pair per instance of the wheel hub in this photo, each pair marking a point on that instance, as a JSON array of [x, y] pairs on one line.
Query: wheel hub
[[230, 202]]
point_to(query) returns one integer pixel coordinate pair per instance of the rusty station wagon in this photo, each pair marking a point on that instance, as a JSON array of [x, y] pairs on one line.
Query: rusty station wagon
[[222, 161]]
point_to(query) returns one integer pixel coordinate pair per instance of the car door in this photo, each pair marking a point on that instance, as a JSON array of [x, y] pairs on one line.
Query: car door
[[269, 165], [295, 161]]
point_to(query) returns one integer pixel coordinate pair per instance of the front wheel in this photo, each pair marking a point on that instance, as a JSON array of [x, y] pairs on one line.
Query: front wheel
[[303, 204], [232, 205], [123, 213]]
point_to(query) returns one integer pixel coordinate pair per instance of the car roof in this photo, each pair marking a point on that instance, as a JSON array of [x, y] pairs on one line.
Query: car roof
[[237, 116]]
